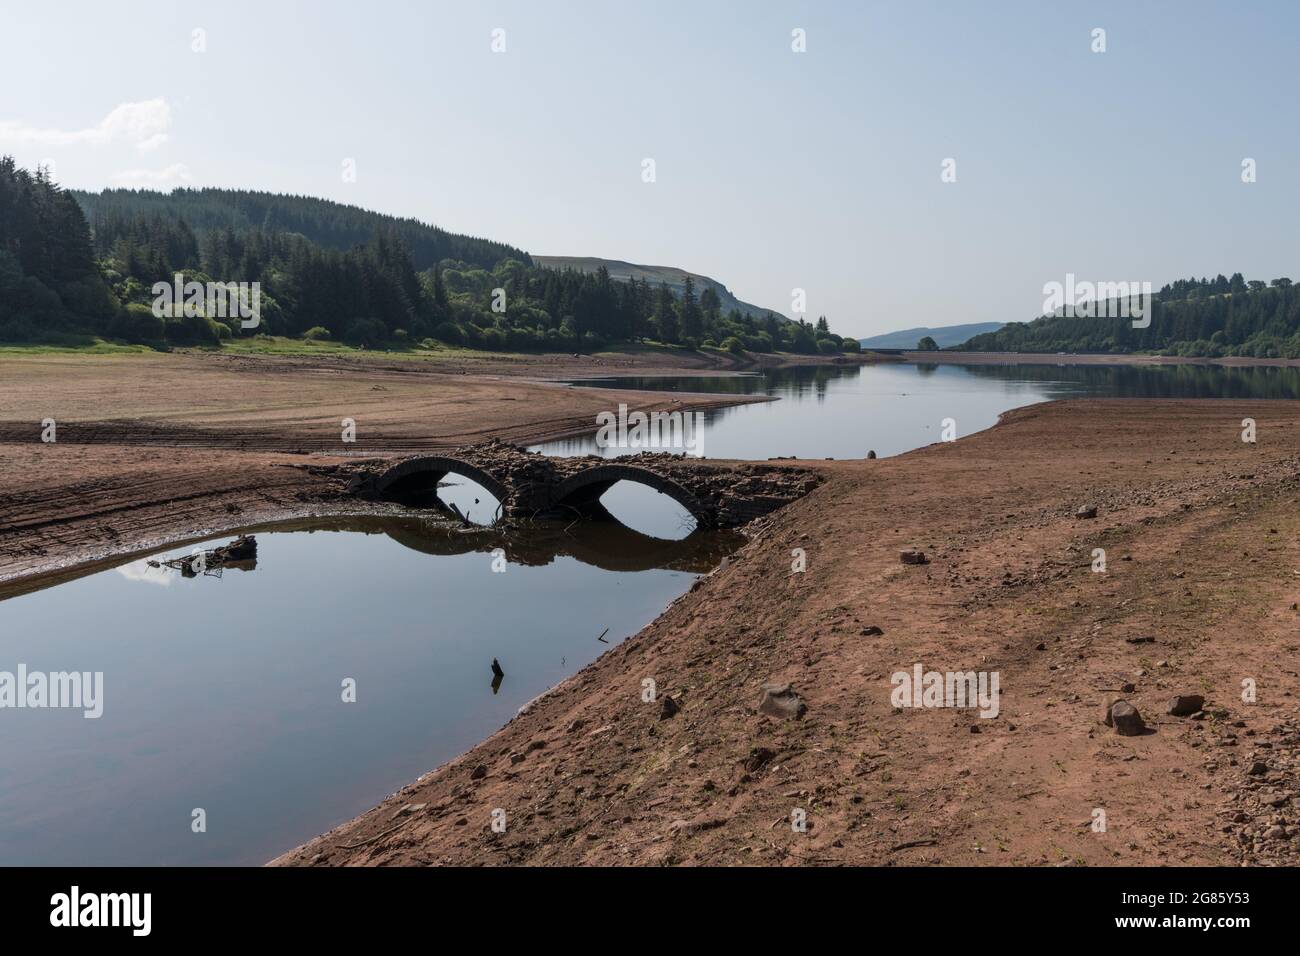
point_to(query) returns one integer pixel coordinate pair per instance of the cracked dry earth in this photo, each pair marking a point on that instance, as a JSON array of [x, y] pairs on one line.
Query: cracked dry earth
[[1200, 535]]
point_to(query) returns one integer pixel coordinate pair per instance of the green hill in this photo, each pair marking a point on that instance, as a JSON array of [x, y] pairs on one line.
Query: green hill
[[673, 277], [325, 223]]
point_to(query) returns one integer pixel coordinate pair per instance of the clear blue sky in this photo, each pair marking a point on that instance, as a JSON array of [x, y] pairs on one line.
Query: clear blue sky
[[775, 170]]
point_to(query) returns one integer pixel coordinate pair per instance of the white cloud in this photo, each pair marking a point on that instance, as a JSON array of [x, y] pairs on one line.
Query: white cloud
[[140, 123], [172, 175], [141, 571], [152, 143]]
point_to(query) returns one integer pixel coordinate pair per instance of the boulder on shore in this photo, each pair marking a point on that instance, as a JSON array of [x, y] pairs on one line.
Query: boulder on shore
[[1124, 717]]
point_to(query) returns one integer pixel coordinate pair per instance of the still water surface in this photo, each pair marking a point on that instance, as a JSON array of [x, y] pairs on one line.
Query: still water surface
[[846, 411], [226, 693]]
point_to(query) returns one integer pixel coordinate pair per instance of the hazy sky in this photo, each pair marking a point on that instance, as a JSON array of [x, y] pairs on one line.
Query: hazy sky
[[774, 169]]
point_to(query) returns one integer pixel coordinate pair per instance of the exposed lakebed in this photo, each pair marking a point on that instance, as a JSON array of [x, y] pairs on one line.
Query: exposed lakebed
[[226, 693]]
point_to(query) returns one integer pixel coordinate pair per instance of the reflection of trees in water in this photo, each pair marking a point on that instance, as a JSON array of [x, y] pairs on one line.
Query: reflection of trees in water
[[801, 381], [796, 383], [1154, 381], [1120, 381]]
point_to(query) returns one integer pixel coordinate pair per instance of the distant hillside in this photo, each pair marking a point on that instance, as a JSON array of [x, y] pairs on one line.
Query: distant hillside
[[329, 224], [1202, 317], [675, 278], [945, 335]]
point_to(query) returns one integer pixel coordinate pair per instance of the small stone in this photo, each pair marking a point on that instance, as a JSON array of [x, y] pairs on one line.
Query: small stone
[[1275, 833], [1040, 646], [1258, 769], [479, 772], [780, 701], [668, 708], [1144, 639], [1127, 688], [1086, 511], [758, 758], [871, 454], [913, 557], [689, 827], [872, 631], [516, 758], [1184, 705]]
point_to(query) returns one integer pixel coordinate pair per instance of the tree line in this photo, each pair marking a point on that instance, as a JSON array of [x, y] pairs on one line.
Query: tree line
[[329, 271], [1192, 317]]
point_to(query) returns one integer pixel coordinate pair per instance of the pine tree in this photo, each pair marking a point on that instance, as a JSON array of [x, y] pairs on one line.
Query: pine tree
[[692, 318], [665, 316]]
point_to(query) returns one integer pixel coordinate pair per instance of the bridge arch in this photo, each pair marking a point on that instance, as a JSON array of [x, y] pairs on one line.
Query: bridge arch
[[582, 491], [433, 468]]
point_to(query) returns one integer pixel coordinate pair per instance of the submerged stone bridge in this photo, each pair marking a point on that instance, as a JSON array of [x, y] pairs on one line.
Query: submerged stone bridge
[[530, 485]]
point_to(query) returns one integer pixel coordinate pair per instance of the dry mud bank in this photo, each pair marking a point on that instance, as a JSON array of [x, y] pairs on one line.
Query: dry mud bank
[[1200, 533]]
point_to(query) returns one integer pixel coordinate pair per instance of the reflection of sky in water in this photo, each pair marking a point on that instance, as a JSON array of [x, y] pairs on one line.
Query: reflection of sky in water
[[636, 506], [142, 571]]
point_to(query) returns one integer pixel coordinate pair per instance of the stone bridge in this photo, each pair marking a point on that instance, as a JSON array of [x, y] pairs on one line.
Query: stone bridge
[[531, 485]]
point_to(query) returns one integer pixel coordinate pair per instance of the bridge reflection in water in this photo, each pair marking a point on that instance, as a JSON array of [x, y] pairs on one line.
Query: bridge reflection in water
[[607, 545]]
